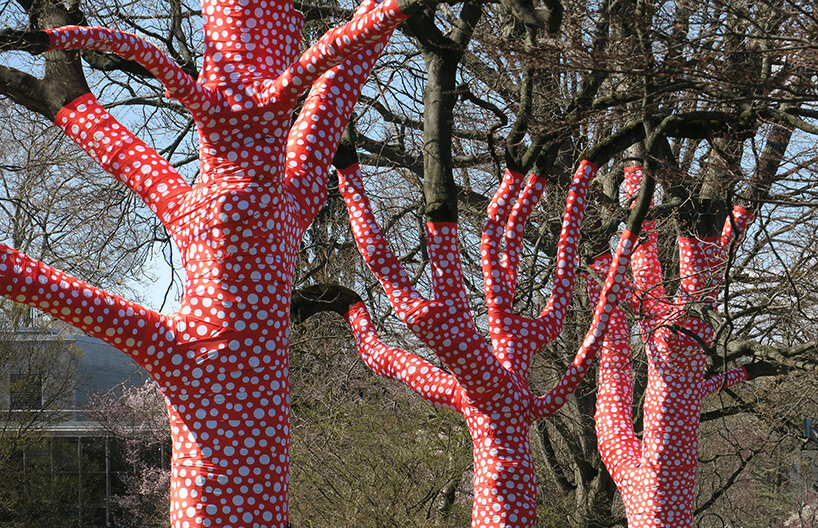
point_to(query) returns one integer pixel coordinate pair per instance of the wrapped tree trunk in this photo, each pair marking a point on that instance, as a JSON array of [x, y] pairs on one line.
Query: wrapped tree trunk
[[656, 476], [221, 359]]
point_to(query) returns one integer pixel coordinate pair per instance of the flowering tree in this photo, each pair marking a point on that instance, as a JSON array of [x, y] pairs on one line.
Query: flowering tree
[[221, 360], [486, 383], [656, 475], [137, 423]]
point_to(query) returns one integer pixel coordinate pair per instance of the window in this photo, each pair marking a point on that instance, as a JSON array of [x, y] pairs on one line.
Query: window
[[26, 392]]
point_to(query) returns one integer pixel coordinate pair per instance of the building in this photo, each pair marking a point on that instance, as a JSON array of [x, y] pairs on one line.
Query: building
[[61, 463]]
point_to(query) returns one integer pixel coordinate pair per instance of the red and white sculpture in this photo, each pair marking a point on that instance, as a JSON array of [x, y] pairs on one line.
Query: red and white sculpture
[[656, 476], [221, 360], [486, 383]]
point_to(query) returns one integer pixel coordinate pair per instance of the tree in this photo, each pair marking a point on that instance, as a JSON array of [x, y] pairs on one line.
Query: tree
[[656, 475], [38, 372], [136, 422], [221, 360], [485, 383]]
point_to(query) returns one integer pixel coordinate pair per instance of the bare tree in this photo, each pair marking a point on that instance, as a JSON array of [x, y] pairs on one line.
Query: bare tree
[[728, 96], [136, 422]]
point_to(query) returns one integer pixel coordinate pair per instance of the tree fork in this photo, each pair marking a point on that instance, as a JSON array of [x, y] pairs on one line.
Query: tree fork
[[63, 81]]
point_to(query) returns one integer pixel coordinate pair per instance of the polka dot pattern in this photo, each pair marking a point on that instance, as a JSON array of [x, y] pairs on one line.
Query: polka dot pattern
[[648, 286], [311, 143], [367, 27], [251, 59], [727, 379], [609, 297], [469, 356], [618, 445], [253, 41], [222, 358], [488, 385], [120, 153], [430, 382], [656, 477], [128, 46], [500, 245], [735, 227]]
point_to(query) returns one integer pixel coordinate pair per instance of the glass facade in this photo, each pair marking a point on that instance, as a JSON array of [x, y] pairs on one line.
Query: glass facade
[[69, 481]]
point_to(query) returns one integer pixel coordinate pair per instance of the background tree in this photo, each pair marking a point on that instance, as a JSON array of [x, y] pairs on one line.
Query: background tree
[[38, 372], [367, 452], [136, 422]]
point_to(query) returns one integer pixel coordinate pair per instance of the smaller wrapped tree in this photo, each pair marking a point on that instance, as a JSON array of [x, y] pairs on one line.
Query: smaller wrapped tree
[[656, 476], [485, 381]]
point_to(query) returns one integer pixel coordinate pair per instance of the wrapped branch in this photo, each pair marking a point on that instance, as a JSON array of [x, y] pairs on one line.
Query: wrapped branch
[[178, 83], [648, 283], [333, 48], [602, 322], [317, 129], [507, 222], [120, 153], [435, 322], [120, 323], [724, 380]]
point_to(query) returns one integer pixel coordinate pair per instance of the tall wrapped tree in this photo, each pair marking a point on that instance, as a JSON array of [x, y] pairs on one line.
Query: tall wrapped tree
[[221, 359]]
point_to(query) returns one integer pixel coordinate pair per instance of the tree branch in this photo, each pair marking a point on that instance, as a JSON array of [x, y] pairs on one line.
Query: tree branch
[[311, 300], [551, 458]]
